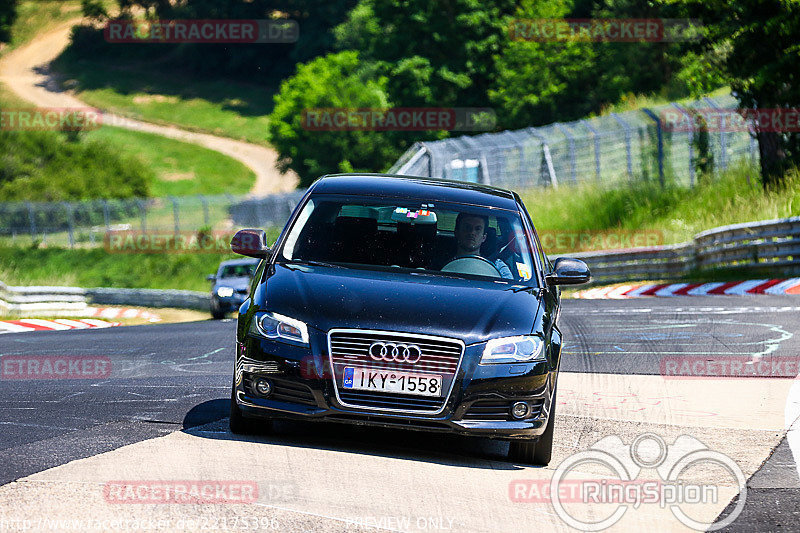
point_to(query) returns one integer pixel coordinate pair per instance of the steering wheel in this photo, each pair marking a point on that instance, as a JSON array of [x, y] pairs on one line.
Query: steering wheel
[[472, 264]]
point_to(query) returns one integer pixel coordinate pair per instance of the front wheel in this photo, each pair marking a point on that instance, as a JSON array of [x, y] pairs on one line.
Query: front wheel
[[240, 425], [536, 452], [216, 312]]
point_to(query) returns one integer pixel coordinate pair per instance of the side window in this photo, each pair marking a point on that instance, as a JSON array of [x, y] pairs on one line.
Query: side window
[[543, 259]]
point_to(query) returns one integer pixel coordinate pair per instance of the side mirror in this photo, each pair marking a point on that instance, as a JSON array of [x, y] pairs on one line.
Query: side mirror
[[251, 242], [211, 277], [568, 271]]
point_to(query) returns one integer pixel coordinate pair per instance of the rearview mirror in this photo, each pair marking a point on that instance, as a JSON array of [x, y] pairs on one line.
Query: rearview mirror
[[251, 242], [211, 277], [568, 271]]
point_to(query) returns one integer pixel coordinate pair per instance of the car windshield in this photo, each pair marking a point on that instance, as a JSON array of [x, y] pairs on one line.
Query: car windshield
[[237, 271], [433, 237]]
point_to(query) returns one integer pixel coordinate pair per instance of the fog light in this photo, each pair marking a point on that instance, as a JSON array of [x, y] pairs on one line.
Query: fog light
[[263, 387], [520, 410]]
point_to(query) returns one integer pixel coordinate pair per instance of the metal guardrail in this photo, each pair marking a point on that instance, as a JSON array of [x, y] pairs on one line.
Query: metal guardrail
[[72, 301], [770, 244]]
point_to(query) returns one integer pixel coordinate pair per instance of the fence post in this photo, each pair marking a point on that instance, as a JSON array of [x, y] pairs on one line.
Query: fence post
[[142, 214], [204, 201], [691, 141], [723, 139], [70, 224], [571, 143], [175, 216], [595, 136], [628, 148], [660, 140], [31, 220], [106, 217]]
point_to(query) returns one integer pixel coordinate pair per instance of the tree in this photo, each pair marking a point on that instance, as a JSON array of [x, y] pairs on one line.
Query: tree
[[451, 43], [8, 14], [334, 81], [762, 68]]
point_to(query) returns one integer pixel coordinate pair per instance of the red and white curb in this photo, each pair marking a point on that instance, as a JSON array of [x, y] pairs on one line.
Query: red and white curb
[[119, 312], [753, 286], [57, 324]]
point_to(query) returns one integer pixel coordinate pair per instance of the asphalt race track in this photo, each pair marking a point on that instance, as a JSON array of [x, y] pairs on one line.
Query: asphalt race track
[[159, 413]]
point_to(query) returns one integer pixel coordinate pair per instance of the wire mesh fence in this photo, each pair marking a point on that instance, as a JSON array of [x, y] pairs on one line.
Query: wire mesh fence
[[612, 150], [87, 223], [666, 143]]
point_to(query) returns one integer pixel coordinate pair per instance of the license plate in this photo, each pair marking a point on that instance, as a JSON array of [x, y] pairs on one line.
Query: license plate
[[392, 381]]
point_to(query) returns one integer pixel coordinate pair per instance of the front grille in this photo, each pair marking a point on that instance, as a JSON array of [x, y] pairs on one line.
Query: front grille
[[438, 355], [498, 409]]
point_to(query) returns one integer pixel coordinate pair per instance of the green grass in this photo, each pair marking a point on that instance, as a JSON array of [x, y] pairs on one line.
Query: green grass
[[675, 212], [181, 168], [25, 265], [35, 16], [221, 107]]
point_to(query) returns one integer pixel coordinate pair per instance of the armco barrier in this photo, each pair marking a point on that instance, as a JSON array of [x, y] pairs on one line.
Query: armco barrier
[[72, 301], [770, 244]]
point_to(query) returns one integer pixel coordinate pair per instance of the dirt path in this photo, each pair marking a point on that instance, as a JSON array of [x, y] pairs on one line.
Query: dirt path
[[26, 72]]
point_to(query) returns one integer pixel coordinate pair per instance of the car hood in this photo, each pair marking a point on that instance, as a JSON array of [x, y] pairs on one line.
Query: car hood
[[330, 297]]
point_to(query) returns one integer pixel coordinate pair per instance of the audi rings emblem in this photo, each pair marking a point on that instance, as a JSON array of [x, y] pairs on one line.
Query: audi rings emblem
[[399, 353]]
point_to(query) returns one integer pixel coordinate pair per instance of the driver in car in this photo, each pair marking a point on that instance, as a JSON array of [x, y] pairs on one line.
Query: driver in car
[[470, 234]]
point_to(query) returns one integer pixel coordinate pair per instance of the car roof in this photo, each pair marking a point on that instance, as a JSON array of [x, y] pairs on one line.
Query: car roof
[[415, 187]]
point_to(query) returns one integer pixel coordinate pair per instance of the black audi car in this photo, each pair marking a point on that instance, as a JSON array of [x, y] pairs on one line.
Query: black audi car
[[404, 302]]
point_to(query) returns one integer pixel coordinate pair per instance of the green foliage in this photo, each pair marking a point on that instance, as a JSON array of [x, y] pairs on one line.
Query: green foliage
[[334, 81], [732, 197], [94, 10], [8, 14], [763, 39], [45, 166], [99, 268]]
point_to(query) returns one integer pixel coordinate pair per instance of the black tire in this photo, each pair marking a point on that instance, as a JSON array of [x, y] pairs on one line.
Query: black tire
[[536, 452], [240, 425], [216, 312]]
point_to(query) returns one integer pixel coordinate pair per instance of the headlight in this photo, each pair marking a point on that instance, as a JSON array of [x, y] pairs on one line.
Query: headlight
[[275, 326], [522, 349], [224, 292]]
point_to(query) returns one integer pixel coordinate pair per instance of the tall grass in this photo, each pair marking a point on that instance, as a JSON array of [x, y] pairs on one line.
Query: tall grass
[[679, 213]]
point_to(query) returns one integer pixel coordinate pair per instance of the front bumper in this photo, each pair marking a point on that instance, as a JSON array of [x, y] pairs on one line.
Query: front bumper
[[479, 403]]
